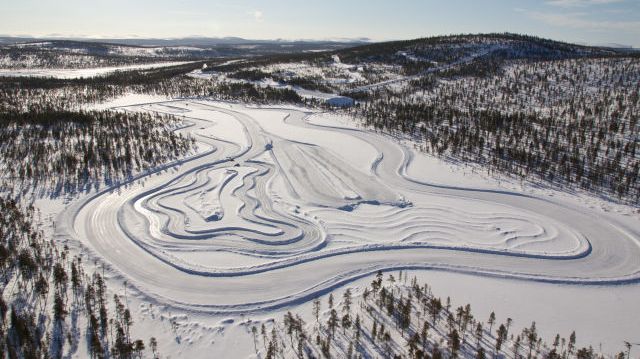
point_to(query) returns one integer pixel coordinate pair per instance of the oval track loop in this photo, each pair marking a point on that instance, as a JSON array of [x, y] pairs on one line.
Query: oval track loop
[[296, 218]]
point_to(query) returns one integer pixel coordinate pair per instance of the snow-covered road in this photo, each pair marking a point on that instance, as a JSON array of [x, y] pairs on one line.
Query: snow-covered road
[[281, 209]]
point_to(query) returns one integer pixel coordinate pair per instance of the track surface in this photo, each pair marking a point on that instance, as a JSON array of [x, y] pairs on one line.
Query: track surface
[[267, 219]]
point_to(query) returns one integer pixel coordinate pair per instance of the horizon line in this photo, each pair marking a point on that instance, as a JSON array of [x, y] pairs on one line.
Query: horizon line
[[364, 39]]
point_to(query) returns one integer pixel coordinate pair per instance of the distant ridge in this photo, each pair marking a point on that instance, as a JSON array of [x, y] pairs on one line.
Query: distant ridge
[[184, 41]]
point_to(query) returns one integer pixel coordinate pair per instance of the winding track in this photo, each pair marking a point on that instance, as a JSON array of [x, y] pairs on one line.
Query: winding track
[[141, 229]]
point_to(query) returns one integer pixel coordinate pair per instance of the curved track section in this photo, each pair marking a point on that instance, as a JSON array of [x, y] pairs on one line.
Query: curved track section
[[281, 210]]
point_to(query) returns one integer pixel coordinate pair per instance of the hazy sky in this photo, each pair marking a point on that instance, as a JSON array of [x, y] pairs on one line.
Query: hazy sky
[[584, 21]]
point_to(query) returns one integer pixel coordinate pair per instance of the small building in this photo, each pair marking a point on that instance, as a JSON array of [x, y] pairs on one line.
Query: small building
[[328, 98]]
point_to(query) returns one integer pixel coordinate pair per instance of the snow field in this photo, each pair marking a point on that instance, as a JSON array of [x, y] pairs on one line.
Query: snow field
[[80, 73]]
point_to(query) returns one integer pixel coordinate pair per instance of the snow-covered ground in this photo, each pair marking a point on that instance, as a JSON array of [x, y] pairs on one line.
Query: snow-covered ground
[[78, 73], [333, 99], [287, 204]]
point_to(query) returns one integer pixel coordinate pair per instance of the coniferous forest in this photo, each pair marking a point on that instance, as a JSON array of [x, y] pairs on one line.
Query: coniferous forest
[[64, 151], [49, 300], [568, 122]]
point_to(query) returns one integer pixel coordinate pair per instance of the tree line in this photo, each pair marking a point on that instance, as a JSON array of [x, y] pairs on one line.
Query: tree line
[[398, 317], [64, 151]]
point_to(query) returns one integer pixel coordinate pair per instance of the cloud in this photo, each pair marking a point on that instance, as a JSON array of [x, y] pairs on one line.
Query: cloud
[[257, 14], [580, 3], [578, 20]]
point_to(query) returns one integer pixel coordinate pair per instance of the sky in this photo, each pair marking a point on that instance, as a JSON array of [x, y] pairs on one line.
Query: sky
[[581, 21]]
